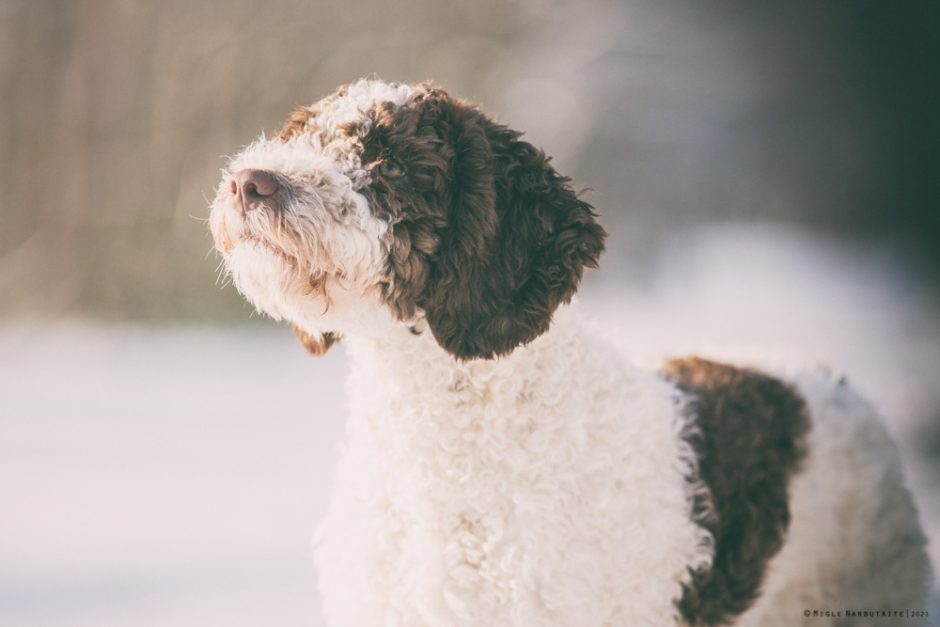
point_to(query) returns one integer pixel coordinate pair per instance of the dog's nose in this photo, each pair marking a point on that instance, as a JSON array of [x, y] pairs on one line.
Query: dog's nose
[[253, 187]]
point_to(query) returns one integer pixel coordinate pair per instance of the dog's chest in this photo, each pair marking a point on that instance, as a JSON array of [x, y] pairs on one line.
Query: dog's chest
[[509, 494]]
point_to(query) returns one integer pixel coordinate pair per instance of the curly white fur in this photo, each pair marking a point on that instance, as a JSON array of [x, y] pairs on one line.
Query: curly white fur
[[507, 492]]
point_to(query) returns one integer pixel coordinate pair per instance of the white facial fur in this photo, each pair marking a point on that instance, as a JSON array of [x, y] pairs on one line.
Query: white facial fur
[[319, 260]]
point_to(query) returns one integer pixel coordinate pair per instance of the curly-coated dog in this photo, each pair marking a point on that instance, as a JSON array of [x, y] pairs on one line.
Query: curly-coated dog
[[506, 464]]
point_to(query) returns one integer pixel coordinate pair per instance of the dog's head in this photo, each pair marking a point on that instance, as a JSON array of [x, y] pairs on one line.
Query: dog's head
[[388, 203]]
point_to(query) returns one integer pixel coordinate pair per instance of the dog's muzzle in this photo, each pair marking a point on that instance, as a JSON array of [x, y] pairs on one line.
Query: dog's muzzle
[[256, 189]]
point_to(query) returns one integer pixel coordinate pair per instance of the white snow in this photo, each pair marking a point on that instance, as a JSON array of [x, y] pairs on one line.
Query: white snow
[[173, 476]]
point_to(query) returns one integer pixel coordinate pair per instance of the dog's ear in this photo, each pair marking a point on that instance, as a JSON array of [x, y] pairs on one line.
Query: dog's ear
[[516, 242], [316, 345]]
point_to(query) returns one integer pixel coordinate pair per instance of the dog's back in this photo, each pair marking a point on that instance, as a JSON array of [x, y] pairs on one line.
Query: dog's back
[[555, 496], [854, 548], [808, 505]]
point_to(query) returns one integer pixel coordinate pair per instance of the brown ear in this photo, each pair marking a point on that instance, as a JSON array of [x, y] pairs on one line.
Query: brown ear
[[515, 246], [316, 345]]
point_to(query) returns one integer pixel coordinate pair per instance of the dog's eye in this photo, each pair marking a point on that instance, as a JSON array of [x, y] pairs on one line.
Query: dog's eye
[[389, 168]]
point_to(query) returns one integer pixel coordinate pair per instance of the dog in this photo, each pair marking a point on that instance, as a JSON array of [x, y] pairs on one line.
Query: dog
[[506, 463]]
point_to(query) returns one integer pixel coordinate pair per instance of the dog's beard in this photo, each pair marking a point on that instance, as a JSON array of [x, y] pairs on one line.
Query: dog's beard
[[270, 280], [294, 265]]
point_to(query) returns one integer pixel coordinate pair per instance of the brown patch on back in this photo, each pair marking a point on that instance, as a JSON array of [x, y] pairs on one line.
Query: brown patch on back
[[749, 444], [316, 345]]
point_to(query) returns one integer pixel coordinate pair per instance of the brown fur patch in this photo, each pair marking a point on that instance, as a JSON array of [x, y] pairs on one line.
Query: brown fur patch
[[750, 443], [489, 238], [316, 345], [296, 124], [225, 240]]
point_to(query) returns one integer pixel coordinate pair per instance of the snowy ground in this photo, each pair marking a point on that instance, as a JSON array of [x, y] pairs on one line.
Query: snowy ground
[[171, 476]]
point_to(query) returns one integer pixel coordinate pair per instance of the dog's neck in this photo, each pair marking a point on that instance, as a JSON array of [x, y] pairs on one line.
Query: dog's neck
[[406, 372], [409, 352]]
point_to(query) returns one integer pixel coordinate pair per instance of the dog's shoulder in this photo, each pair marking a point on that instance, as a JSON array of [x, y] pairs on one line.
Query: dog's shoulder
[[749, 438]]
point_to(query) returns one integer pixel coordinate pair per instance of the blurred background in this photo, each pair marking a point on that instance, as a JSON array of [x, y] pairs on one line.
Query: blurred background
[[769, 172]]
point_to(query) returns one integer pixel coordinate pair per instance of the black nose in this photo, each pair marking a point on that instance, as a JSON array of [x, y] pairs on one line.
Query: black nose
[[254, 187]]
